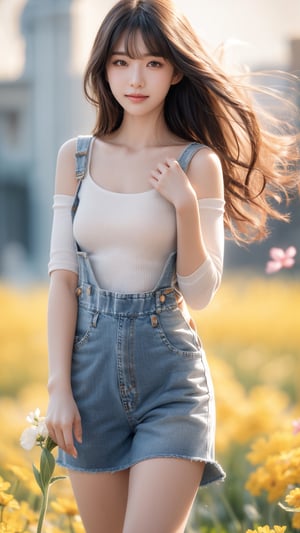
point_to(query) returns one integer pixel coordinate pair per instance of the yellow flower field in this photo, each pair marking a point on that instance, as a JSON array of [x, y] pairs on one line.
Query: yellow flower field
[[251, 336]]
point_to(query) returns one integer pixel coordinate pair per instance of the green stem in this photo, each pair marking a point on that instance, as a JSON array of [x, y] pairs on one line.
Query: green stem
[[231, 513], [43, 510], [71, 525]]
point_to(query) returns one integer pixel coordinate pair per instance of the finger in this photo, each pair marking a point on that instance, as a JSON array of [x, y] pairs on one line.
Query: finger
[[67, 442], [171, 162], [155, 174], [52, 436], [63, 437], [78, 429], [154, 182], [51, 431], [56, 436], [162, 167]]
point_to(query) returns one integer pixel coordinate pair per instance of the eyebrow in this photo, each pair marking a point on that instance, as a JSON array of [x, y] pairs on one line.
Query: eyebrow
[[122, 53]]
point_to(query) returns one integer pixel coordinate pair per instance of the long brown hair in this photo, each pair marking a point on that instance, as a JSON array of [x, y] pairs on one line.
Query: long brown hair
[[207, 106]]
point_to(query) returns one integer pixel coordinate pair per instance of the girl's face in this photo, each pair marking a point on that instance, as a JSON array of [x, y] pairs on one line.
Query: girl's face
[[140, 84]]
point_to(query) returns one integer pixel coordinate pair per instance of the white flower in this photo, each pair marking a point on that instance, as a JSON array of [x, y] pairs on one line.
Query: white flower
[[28, 438], [42, 428], [34, 417], [36, 433]]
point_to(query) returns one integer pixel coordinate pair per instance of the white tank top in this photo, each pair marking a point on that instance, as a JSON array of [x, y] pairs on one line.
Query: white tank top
[[128, 236]]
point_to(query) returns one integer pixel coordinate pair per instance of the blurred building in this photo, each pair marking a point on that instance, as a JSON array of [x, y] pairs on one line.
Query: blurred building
[[39, 110]]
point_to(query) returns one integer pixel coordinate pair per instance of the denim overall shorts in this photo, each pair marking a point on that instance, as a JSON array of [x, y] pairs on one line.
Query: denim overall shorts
[[139, 373]]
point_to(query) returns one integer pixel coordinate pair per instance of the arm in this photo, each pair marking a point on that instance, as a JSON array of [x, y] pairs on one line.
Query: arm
[[199, 287], [200, 240], [63, 417]]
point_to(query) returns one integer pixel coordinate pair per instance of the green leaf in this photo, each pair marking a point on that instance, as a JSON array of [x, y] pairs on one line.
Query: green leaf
[[47, 465], [37, 477], [56, 478]]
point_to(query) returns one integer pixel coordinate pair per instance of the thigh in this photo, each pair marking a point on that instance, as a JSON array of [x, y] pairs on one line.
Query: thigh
[[161, 493], [101, 499]]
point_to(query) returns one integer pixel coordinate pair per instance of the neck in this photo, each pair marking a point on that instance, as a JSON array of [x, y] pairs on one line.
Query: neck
[[141, 132]]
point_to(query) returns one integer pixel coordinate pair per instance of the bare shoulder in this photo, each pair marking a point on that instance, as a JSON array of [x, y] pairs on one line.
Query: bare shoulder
[[205, 174], [65, 180]]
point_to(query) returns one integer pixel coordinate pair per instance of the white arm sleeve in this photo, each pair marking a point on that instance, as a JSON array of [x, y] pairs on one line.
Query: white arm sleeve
[[62, 248], [199, 287]]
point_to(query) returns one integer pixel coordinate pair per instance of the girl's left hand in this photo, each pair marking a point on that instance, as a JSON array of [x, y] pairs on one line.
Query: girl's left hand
[[172, 183]]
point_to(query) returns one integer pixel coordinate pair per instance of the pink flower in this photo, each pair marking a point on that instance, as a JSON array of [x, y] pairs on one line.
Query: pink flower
[[296, 426], [281, 259]]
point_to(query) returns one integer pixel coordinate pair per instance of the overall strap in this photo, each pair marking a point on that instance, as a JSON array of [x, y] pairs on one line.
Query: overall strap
[[82, 157], [82, 152], [168, 276], [187, 154]]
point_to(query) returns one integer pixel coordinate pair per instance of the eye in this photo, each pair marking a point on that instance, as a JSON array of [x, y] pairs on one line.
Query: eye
[[155, 64], [119, 63]]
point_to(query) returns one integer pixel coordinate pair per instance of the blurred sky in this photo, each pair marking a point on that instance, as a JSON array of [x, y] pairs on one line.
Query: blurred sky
[[263, 28]]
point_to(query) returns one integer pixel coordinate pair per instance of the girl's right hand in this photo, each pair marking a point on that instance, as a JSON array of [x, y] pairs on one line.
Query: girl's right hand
[[63, 421]]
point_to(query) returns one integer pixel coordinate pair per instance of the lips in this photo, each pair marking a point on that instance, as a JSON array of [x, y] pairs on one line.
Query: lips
[[136, 97]]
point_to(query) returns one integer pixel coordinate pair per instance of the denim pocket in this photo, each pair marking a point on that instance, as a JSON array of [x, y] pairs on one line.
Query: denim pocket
[[178, 335], [86, 322]]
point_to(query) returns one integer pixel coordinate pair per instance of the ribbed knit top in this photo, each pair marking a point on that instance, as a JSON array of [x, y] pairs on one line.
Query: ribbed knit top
[[129, 237]]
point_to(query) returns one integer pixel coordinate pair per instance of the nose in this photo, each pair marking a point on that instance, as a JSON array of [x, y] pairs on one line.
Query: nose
[[136, 76]]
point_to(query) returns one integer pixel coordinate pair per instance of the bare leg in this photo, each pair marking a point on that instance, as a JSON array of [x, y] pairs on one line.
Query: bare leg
[[160, 495], [101, 499]]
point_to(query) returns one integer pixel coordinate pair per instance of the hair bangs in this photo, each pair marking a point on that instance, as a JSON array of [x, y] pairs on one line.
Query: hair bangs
[[141, 26]]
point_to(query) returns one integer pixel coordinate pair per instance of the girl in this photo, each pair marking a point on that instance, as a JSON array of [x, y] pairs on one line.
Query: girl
[[137, 234]]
